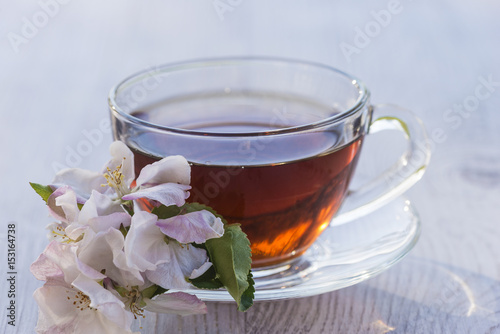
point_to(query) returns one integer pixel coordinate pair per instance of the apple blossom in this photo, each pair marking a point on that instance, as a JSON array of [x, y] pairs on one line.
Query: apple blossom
[[165, 181], [166, 261], [109, 261], [72, 300]]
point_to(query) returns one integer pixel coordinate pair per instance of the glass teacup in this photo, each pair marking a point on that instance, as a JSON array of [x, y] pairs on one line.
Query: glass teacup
[[272, 143]]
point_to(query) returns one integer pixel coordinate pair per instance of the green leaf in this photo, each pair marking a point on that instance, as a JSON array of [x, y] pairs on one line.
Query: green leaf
[[192, 207], [43, 191], [128, 207], [152, 291], [46, 191], [121, 290], [159, 291], [208, 280], [231, 257], [164, 212], [248, 295], [124, 230]]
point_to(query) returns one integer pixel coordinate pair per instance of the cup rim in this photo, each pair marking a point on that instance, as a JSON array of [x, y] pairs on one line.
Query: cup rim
[[361, 101]]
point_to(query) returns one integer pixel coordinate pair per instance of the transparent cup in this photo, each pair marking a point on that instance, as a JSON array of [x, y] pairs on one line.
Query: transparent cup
[[272, 143]]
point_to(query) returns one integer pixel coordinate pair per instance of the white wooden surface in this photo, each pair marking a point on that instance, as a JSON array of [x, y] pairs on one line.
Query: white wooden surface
[[430, 56]]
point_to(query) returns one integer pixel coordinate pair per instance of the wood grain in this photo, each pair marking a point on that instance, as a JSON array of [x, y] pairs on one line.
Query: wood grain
[[429, 57]]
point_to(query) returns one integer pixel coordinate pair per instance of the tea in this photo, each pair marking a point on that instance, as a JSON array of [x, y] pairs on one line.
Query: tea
[[283, 192], [283, 207]]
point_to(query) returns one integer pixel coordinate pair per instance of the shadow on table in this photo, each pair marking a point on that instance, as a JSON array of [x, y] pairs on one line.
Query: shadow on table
[[416, 296]]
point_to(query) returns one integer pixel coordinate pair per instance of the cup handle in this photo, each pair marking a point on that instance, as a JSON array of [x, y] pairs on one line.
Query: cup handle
[[399, 177]]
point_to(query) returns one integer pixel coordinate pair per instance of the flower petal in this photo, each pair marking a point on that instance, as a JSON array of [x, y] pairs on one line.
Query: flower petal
[[63, 204], [57, 231], [81, 181], [171, 169], [121, 155], [44, 269], [105, 252], [97, 323], [104, 301], [114, 220], [58, 314], [62, 256], [145, 245], [167, 194], [99, 213], [99, 224], [97, 293], [73, 232], [98, 205], [197, 226], [184, 260], [201, 270], [177, 302]]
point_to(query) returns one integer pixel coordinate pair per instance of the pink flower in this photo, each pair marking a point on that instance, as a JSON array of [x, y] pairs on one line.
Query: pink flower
[[166, 261], [98, 213], [198, 227], [165, 181], [72, 300], [78, 298]]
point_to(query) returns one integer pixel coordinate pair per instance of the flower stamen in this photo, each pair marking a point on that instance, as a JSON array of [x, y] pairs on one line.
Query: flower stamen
[[135, 303], [61, 232], [80, 300], [114, 179]]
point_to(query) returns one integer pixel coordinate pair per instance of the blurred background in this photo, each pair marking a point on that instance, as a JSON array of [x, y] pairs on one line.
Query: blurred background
[[59, 59]]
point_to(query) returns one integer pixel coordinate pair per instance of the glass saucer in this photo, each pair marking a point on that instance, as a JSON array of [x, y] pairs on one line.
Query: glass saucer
[[342, 256]]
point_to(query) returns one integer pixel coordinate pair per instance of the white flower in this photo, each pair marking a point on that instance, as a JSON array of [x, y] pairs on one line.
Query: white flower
[[165, 181], [59, 262], [98, 213], [103, 267], [77, 298], [197, 226], [166, 261], [72, 300], [63, 204], [83, 307], [104, 252], [185, 261]]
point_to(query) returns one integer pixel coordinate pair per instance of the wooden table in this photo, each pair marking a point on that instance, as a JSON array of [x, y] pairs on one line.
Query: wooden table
[[57, 68]]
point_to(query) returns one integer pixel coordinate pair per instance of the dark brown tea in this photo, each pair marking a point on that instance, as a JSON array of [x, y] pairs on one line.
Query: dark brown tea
[[283, 190], [282, 208]]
